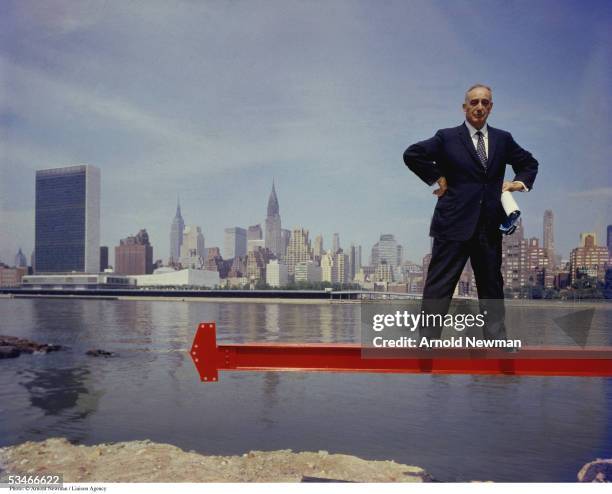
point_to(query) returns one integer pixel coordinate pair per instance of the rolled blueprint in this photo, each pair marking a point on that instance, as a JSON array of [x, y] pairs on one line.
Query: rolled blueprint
[[513, 212]]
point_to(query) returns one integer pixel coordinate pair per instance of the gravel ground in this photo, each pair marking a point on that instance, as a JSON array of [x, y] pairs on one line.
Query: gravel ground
[[145, 461]]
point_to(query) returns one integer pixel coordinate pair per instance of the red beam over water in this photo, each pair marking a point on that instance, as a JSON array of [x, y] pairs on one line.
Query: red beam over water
[[210, 358]]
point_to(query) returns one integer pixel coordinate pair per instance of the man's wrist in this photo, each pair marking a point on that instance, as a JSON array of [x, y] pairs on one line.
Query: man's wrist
[[522, 186]]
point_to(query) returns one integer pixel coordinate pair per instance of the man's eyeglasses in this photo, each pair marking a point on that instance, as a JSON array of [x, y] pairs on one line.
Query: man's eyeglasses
[[483, 102]]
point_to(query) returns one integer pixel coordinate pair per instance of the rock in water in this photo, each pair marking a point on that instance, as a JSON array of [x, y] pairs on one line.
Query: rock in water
[[99, 353], [13, 347], [9, 352]]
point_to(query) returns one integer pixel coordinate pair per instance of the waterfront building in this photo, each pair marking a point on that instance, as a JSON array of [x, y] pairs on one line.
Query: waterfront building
[[354, 260], [134, 255], [67, 220], [341, 267], [273, 240], [514, 258], [11, 277], [214, 262], [589, 259], [103, 258], [235, 242], [609, 240], [193, 254], [169, 277], [237, 268], [307, 271], [384, 273], [525, 262], [299, 249], [256, 264], [549, 237], [327, 264], [77, 281], [277, 274], [176, 236]]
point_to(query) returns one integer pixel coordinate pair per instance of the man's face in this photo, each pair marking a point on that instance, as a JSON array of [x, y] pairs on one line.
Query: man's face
[[478, 104]]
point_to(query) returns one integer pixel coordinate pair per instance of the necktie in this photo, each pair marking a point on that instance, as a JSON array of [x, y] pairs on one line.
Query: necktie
[[480, 149]]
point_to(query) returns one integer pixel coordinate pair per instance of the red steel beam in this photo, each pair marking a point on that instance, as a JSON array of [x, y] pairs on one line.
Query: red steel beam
[[209, 358]]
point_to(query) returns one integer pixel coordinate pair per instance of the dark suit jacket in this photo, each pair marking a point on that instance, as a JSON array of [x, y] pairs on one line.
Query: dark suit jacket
[[471, 189]]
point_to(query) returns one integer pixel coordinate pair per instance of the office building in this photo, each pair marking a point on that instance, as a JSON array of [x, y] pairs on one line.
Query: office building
[[277, 275], [235, 242], [254, 232], [317, 249], [335, 243], [273, 239], [193, 253], [134, 255], [298, 250], [285, 239], [549, 237], [386, 250], [67, 220], [103, 258], [176, 236], [307, 271], [256, 262], [589, 259]]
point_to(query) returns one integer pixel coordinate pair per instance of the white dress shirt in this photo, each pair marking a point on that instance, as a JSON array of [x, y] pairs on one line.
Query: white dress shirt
[[485, 135]]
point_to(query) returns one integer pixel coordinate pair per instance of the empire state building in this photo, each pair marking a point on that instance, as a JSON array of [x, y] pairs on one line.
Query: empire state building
[[273, 239]]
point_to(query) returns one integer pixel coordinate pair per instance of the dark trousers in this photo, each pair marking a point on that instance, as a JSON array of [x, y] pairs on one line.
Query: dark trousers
[[448, 258]]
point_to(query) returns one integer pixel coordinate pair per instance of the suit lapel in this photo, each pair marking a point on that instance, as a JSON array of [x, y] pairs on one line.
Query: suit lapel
[[464, 135], [492, 134]]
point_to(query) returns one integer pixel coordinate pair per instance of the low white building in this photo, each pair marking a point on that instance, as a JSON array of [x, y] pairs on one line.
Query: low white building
[[277, 274], [184, 277], [76, 281]]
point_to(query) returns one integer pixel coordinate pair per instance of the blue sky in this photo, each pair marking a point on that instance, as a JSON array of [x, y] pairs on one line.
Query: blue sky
[[213, 99]]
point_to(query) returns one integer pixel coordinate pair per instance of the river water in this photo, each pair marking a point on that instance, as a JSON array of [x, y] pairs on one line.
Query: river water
[[458, 428]]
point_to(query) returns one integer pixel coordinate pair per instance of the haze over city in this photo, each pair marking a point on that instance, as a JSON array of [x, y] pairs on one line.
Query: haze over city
[[213, 101]]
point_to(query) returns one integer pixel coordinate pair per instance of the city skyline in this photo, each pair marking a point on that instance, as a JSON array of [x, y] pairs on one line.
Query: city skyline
[[327, 113], [547, 238]]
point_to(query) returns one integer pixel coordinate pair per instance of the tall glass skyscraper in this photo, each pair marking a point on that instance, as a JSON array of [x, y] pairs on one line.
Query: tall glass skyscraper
[[67, 236]]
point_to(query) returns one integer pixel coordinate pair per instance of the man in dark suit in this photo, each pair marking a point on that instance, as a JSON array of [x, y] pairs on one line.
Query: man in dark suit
[[468, 162]]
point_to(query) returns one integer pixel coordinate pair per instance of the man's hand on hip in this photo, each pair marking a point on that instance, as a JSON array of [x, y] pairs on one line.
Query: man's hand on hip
[[443, 187], [513, 186]]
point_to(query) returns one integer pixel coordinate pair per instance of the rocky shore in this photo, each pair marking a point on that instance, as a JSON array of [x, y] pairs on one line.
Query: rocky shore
[[145, 461], [12, 347]]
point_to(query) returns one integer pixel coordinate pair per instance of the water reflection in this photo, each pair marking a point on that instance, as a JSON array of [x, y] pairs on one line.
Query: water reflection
[[458, 427], [66, 397]]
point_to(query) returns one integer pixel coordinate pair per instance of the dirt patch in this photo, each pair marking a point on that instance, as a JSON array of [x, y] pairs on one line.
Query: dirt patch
[[145, 461]]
